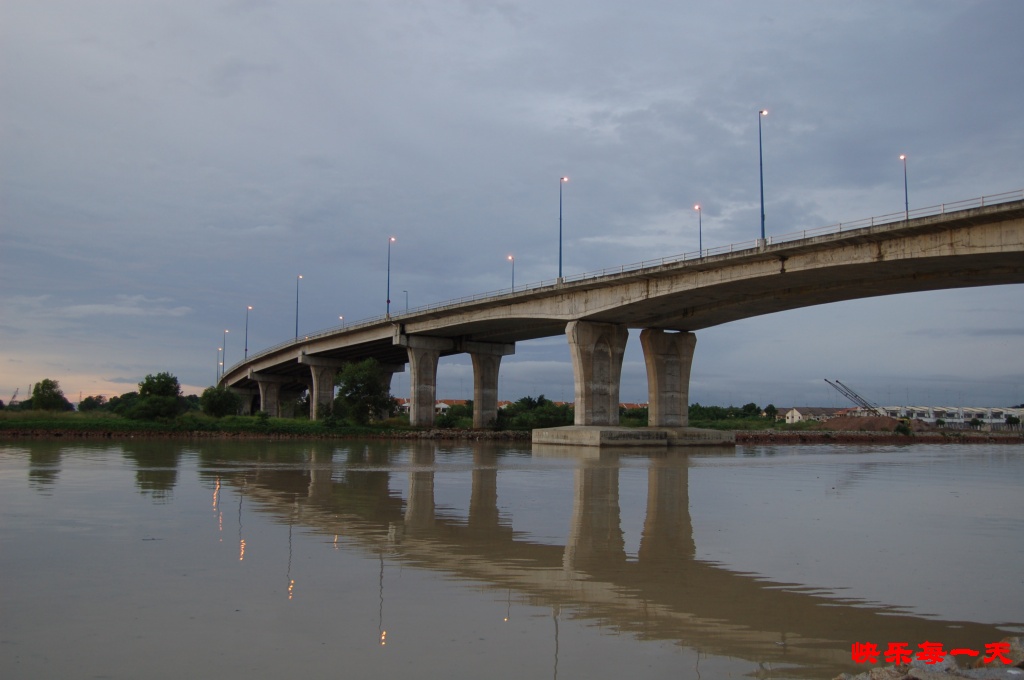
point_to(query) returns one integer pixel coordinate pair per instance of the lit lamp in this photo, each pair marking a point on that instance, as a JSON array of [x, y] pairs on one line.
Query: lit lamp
[[561, 181], [391, 240], [700, 241], [247, 310], [297, 279], [513, 261], [906, 196], [760, 162]]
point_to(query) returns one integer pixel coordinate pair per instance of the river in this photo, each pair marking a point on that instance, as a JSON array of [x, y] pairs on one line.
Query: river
[[372, 559]]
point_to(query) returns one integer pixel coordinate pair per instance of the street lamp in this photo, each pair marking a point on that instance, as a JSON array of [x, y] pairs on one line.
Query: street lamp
[[512, 259], [561, 181], [406, 300], [906, 196], [297, 279], [219, 363], [700, 240], [247, 310], [391, 240], [224, 357], [760, 163]]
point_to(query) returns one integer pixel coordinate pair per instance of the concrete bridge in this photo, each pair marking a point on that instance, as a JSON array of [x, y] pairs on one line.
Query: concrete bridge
[[971, 243]]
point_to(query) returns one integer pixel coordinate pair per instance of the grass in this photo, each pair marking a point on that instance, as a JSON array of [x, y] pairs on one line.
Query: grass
[[192, 422]]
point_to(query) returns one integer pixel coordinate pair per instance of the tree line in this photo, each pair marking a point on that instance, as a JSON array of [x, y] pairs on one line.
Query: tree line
[[361, 397]]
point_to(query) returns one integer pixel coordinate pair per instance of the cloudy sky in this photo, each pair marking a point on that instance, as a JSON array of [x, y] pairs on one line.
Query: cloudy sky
[[165, 164]]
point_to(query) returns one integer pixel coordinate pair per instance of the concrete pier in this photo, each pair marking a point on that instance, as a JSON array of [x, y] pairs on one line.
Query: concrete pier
[[486, 358], [597, 350], [668, 357]]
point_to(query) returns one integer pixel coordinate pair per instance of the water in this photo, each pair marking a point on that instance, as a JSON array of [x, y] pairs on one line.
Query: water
[[377, 559]]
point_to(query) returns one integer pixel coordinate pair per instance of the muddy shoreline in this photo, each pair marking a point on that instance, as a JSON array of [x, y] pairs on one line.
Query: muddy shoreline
[[859, 437], [743, 437]]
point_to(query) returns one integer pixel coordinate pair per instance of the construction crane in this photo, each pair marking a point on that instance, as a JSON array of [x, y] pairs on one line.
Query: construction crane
[[855, 398], [14, 397]]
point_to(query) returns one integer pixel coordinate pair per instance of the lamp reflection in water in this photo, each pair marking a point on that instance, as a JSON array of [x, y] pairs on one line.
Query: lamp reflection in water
[[218, 511], [288, 574], [380, 612], [241, 541]]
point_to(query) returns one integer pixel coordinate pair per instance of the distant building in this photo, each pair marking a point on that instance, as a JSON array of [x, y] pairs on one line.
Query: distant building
[[990, 418], [800, 414]]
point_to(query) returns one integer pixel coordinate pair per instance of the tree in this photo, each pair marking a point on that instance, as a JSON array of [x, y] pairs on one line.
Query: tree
[[92, 403], [47, 396], [159, 385], [362, 392], [123, 404], [159, 398], [770, 412], [529, 413], [219, 402]]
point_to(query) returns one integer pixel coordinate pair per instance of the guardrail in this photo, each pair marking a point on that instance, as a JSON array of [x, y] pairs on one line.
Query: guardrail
[[877, 221]]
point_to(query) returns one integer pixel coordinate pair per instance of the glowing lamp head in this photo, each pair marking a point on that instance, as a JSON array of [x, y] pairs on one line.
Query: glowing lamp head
[[563, 179], [697, 207], [903, 156], [763, 112]]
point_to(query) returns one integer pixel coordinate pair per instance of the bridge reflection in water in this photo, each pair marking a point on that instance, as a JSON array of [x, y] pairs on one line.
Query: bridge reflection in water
[[663, 593]]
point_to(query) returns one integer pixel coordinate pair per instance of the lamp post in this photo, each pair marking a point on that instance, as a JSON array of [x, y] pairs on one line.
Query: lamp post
[[391, 240], [906, 196], [224, 356], [297, 279], [219, 363], [406, 300], [760, 163], [247, 310], [561, 181], [512, 259], [700, 238]]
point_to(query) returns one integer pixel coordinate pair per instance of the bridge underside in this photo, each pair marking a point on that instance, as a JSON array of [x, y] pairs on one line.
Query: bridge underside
[[668, 302]]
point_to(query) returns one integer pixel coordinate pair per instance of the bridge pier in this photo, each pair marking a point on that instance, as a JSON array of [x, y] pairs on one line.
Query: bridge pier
[[389, 371], [323, 372], [270, 392], [486, 361], [597, 350], [668, 357], [247, 397], [424, 351]]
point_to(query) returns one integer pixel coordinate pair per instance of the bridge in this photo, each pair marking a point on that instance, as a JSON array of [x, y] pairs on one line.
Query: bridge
[[979, 242]]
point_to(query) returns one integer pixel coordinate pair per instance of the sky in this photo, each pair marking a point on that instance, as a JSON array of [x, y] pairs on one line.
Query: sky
[[165, 165]]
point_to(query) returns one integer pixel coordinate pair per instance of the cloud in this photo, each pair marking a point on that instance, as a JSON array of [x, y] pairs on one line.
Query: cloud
[[125, 305]]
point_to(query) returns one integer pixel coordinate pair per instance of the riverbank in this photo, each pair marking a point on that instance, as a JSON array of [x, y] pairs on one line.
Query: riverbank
[[861, 437], [743, 437]]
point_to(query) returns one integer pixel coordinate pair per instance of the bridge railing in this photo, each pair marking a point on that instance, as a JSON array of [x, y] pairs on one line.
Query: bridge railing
[[877, 221]]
